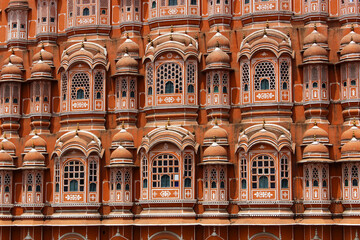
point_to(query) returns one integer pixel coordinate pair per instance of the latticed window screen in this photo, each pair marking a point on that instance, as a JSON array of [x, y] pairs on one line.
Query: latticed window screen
[[264, 71], [243, 173], [127, 180], [263, 172], [225, 83], [190, 74], [245, 77], [314, 74], [307, 177], [284, 174], [64, 84], [74, 177], [284, 75], [165, 169], [206, 178], [222, 178], [124, 88], [315, 177], [145, 172], [98, 85], [187, 169], [169, 72], [57, 176], [92, 176], [29, 182], [38, 182], [132, 88], [213, 178], [7, 182], [80, 81], [118, 180]]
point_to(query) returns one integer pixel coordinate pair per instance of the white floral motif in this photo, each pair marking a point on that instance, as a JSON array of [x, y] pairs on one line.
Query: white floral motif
[[173, 11], [263, 194], [265, 95], [169, 99], [73, 197], [165, 194]]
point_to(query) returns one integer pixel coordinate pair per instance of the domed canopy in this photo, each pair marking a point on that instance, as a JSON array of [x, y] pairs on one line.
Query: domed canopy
[[121, 156], [315, 53], [123, 138], [215, 154], [11, 72], [351, 35], [217, 59], [316, 152], [41, 70], [16, 60], [350, 51], [127, 65], [43, 55], [5, 159], [218, 40], [36, 142], [129, 47], [351, 150], [315, 36], [33, 159], [350, 133], [321, 135], [7, 145], [216, 132]]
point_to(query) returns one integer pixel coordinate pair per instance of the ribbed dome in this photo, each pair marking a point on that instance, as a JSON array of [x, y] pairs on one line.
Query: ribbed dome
[[35, 142], [315, 131], [128, 46], [351, 48], [315, 50], [16, 60], [82, 52], [11, 69], [123, 136], [127, 63], [217, 56], [7, 145], [41, 68], [215, 132], [351, 35], [34, 156], [121, 153], [219, 40], [350, 133], [352, 146], [315, 36], [215, 150], [5, 158], [316, 148], [265, 40], [45, 55]]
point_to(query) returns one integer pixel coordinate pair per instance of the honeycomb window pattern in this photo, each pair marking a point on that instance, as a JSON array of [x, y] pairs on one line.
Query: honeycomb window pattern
[[245, 77], [190, 74], [284, 75], [98, 85], [150, 76], [263, 70], [64, 83], [80, 81], [169, 72]]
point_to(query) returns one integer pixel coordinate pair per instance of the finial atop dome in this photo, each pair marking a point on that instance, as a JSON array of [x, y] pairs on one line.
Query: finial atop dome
[[171, 37], [315, 140], [148, 38], [82, 44], [217, 44], [352, 27], [315, 123], [264, 123], [354, 122], [123, 125], [172, 29], [168, 121], [267, 24], [315, 27], [216, 121], [41, 57], [127, 36], [35, 132], [214, 137], [77, 129], [217, 29], [265, 32], [12, 51], [85, 39], [126, 50]]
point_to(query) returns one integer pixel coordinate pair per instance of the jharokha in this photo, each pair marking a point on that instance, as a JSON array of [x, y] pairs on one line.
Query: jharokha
[[180, 119]]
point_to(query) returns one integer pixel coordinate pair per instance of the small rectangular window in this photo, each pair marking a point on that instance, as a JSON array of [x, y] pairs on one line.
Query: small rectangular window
[[52, 19], [44, 19], [172, 2], [22, 26], [193, 2], [14, 25]]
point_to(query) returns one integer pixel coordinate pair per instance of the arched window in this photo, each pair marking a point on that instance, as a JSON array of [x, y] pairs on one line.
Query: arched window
[[315, 85], [216, 82], [191, 88], [144, 166], [29, 182], [187, 170], [92, 176], [165, 171], [264, 84], [165, 181], [263, 182], [86, 12], [150, 90], [263, 172], [169, 87], [80, 94], [153, 5], [187, 182], [74, 176], [193, 2], [172, 2], [38, 182], [315, 177], [213, 178], [284, 183]]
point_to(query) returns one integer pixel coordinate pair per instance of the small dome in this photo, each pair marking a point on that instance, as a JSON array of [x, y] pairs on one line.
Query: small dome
[[350, 133], [351, 35], [316, 131], [7, 145], [123, 137], [121, 154], [315, 50], [128, 46], [33, 156], [16, 60], [352, 146], [35, 142], [215, 150], [315, 36], [82, 52], [11, 69], [265, 40], [44, 55], [316, 147], [127, 63], [41, 68], [217, 56], [216, 132], [351, 48], [219, 40], [5, 158]]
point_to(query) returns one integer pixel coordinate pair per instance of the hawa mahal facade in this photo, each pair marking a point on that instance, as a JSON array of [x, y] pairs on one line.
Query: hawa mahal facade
[[180, 119]]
